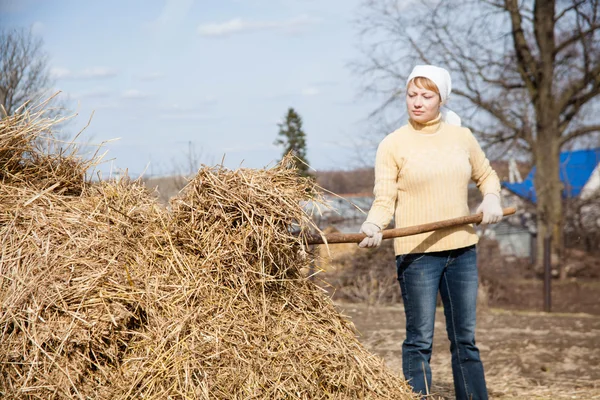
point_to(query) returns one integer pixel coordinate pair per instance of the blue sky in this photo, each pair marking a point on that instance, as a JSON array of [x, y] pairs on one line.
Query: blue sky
[[215, 75]]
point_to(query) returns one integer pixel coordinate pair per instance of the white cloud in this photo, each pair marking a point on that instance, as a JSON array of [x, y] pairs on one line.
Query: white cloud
[[193, 107], [98, 72], [106, 106], [186, 116], [93, 93], [238, 25], [88, 73], [37, 28], [152, 76], [165, 27], [173, 13], [310, 91], [327, 83], [134, 94], [293, 93], [59, 73], [208, 100]]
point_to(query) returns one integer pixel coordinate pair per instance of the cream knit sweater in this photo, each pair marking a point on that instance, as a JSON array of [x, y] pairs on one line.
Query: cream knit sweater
[[422, 172]]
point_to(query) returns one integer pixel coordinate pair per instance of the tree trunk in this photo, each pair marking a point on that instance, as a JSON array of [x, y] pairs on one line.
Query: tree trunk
[[548, 189], [548, 186]]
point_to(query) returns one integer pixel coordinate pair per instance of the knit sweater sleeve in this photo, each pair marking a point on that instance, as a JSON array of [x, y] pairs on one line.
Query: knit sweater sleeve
[[482, 173], [386, 187]]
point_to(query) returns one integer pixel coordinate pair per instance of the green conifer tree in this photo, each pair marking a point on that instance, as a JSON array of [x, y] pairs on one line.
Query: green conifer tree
[[293, 139]]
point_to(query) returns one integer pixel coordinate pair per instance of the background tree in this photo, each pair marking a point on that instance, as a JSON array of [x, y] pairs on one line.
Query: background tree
[[293, 139], [526, 74], [24, 74]]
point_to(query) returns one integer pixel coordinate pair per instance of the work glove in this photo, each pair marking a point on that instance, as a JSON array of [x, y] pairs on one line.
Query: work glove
[[374, 235], [491, 209]]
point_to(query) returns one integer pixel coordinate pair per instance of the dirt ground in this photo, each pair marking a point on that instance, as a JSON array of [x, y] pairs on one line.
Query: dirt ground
[[526, 354], [569, 296]]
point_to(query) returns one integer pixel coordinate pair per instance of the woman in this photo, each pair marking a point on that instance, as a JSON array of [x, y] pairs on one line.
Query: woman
[[422, 172]]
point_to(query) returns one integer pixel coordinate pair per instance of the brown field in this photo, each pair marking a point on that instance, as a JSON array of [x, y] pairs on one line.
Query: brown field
[[526, 354]]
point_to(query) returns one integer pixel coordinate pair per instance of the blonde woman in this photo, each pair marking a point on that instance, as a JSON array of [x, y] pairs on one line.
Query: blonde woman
[[422, 171]]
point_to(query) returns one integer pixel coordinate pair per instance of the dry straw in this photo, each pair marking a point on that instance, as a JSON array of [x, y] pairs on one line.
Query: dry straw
[[105, 294]]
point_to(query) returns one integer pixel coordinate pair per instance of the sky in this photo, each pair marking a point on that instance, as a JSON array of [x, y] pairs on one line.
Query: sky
[[164, 79]]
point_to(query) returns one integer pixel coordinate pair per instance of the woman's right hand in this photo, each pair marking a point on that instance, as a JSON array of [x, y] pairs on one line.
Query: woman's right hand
[[374, 235]]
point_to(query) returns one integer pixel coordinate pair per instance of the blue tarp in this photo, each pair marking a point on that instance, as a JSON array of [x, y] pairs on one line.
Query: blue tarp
[[576, 167]]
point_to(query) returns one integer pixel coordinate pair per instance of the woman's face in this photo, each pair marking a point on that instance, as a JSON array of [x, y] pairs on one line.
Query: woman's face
[[423, 105]]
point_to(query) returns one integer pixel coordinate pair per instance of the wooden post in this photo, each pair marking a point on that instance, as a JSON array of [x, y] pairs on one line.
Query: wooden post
[[547, 274]]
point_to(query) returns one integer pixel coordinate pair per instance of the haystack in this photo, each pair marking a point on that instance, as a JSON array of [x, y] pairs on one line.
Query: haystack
[[106, 294]]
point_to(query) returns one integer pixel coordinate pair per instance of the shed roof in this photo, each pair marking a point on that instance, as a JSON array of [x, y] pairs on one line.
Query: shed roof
[[576, 167]]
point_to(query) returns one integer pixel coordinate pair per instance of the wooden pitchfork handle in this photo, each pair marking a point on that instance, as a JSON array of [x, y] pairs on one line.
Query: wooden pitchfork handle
[[399, 232]]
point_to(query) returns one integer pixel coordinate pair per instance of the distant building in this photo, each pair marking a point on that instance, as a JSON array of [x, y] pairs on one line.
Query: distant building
[[580, 175], [515, 235], [346, 213]]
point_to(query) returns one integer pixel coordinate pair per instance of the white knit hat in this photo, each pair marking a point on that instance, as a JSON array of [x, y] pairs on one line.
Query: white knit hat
[[442, 80]]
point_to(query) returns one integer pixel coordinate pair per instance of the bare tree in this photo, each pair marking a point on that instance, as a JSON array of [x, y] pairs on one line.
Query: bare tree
[[526, 73], [583, 222], [356, 181], [24, 74]]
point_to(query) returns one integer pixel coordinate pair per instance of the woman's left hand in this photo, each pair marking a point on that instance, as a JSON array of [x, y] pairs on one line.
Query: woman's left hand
[[491, 209]]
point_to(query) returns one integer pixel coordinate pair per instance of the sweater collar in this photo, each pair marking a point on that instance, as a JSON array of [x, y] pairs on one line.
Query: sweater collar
[[429, 126]]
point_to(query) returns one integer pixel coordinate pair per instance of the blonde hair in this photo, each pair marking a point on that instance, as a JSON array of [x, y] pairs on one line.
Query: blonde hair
[[424, 83]]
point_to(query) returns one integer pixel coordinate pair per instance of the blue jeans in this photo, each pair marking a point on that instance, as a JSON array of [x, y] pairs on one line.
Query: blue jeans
[[454, 274]]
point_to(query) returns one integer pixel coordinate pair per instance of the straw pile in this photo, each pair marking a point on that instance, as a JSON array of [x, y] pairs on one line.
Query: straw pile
[[107, 295]]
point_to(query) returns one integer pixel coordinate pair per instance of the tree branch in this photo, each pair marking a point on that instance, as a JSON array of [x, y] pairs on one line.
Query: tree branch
[[575, 38], [566, 10], [526, 63], [582, 130], [498, 114], [571, 95]]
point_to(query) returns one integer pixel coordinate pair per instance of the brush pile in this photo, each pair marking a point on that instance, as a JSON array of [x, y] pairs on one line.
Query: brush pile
[[105, 294]]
